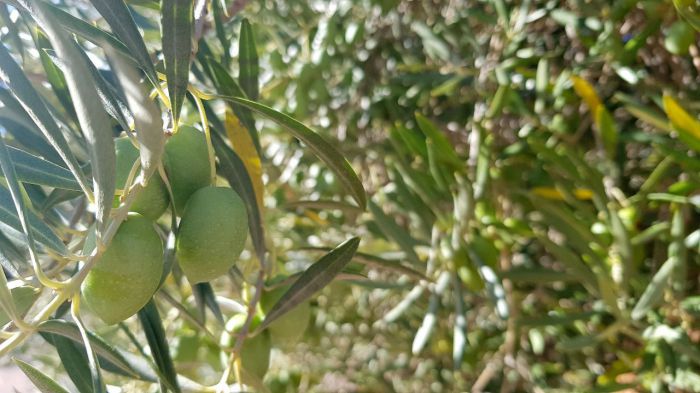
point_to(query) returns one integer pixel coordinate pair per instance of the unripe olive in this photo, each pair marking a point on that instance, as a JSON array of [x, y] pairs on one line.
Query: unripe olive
[[124, 279], [212, 233], [290, 327], [153, 200], [186, 162], [679, 37], [255, 351]]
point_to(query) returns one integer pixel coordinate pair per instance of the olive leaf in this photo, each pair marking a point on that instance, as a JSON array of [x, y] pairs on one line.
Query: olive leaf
[[177, 18], [314, 278], [42, 381], [93, 119], [248, 61], [35, 107], [158, 343], [120, 20], [323, 150]]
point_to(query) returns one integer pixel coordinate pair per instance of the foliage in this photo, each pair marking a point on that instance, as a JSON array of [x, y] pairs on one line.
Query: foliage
[[530, 215]]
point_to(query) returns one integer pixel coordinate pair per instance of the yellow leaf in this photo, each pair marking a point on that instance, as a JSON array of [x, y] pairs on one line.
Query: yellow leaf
[[680, 118], [586, 92], [243, 146], [583, 194]]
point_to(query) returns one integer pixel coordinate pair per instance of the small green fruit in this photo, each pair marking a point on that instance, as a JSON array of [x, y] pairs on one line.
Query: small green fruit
[[187, 164], [255, 352], [212, 233], [153, 200], [128, 273], [679, 37], [290, 327]]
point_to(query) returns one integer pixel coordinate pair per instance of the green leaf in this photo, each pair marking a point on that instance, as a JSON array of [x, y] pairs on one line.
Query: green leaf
[[36, 170], [494, 288], [393, 231], [40, 231], [21, 298], [120, 20], [74, 361], [148, 122], [313, 279], [35, 107], [98, 383], [80, 27], [608, 130], [111, 101], [443, 146], [234, 171], [54, 75], [177, 17], [323, 150], [378, 263], [429, 320], [248, 61], [39, 379], [158, 343], [228, 86], [110, 357], [323, 204], [204, 296], [93, 119]]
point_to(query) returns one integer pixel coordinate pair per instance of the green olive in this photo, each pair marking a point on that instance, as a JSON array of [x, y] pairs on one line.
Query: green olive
[[255, 352], [153, 200], [128, 273], [186, 162], [679, 37], [212, 233], [290, 327]]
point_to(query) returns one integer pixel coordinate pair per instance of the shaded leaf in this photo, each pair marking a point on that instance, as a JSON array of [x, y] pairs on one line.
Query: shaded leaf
[[120, 20], [36, 170], [110, 357], [313, 279], [323, 150], [248, 61], [33, 104], [394, 232], [177, 18], [93, 119], [158, 343], [39, 379]]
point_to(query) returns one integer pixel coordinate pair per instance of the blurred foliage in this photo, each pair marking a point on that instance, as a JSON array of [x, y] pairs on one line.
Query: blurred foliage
[[532, 169]]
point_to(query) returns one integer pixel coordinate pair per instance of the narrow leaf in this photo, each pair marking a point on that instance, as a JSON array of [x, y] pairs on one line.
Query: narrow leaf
[[394, 232], [109, 356], [248, 61], [205, 297], [313, 279], [33, 104], [158, 343], [586, 92], [21, 218], [42, 381], [93, 119], [36, 170], [379, 263], [227, 86], [244, 146], [120, 20], [177, 18], [323, 150]]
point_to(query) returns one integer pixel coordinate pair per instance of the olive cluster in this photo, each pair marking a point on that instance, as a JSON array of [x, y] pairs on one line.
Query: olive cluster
[[211, 234]]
